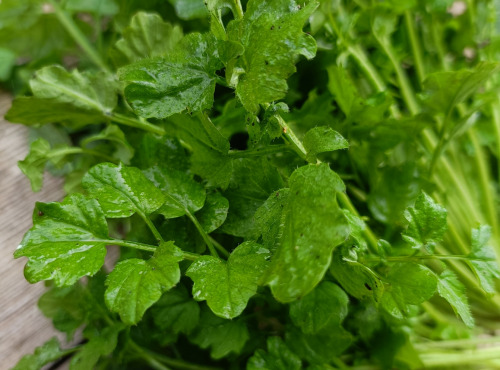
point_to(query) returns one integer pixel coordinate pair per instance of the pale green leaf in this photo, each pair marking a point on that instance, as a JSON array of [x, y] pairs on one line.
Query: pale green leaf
[[451, 289], [322, 139], [413, 283], [227, 286], [43, 355], [134, 285], [67, 241], [314, 225], [99, 7]]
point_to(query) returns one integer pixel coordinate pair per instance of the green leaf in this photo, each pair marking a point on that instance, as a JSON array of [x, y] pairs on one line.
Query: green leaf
[[163, 151], [268, 218], [120, 148], [7, 62], [176, 311], [277, 357], [147, 36], [358, 227], [326, 304], [271, 33], [252, 182], [210, 149], [33, 166], [482, 259], [214, 212], [451, 289], [221, 335], [66, 306], [182, 194], [99, 7], [67, 241], [313, 226], [135, 284], [100, 344], [183, 80], [189, 9], [357, 279], [427, 222], [227, 286], [122, 191], [322, 139], [413, 283], [43, 355], [444, 90], [343, 89]]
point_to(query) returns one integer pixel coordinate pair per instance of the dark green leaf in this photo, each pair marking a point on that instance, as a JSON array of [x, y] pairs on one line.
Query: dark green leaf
[[184, 80], [214, 212], [67, 241], [122, 191], [277, 357], [227, 286], [326, 304], [313, 226], [135, 284]]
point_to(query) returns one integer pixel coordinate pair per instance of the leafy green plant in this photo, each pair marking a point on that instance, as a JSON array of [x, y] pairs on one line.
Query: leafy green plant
[[290, 184]]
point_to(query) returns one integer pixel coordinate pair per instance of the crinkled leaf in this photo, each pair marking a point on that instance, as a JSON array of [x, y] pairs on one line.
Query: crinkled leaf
[[444, 90], [252, 182], [101, 344], [314, 225], [269, 218], [451, 289], [277, 357], [209, 158], [147, 36], [322, 139], [135, 284], [271, 33], [67, 241], [427, 222], [227, 286], [221, 335], [326, 304], [482, 259], [214, 212], [183, 80], [176, 311], [183, 195], [357, 279], [43, 355], [122, 191]]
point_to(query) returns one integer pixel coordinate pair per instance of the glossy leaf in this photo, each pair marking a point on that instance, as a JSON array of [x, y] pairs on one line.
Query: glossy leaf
[[272, 37], [277, 357], [326, 304], [227, 286], [182, 194], [322, 139], [482, 259], [427, 222], [122, 191], [313, 226], [184, 80], [214, 212], [67, 241], [451, 289], [135, 284]]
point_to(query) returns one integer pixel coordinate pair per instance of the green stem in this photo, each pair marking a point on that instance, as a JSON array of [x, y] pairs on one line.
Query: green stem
[[77, 35], [434, 313], [134, 122], [74, 150], [463, 358], [290, 135], [203, 234], [415, 46], [152, 227], [258, 152], [219, 247], [457, 343], [149, 248], [239, 9]]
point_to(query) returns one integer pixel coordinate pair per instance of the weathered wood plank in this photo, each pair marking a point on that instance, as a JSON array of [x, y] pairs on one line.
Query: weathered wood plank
[[22, 326]]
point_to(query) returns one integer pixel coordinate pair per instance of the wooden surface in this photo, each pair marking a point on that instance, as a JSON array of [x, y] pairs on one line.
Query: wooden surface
[[22, 326]]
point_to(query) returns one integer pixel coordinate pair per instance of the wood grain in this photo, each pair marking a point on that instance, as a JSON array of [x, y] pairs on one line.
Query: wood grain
[[22, 326]]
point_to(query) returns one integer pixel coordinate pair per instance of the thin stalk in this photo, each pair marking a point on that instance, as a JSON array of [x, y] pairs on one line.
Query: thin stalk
[[292, 138], [203, 234], [272, 149], [152, 227], [219, 247], [462, 358], [415, 46], [434, 313], [495, 110], [238, 8], [77, 35], [148, 248], [74, 150], [458, 343], [134, 122]]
